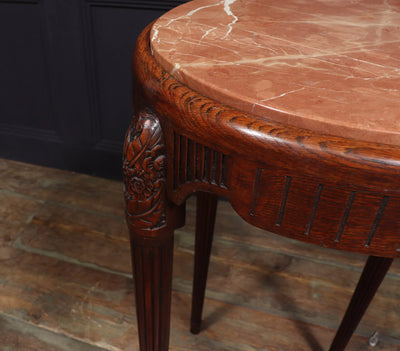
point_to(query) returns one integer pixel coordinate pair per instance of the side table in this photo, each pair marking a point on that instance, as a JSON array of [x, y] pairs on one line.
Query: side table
[[291, 112]]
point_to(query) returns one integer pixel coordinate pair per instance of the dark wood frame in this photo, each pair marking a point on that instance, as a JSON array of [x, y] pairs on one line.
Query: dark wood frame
[[321, 189]]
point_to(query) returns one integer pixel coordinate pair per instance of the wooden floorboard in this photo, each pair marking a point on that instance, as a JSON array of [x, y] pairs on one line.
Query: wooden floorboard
[[65, 277], [18, 335]]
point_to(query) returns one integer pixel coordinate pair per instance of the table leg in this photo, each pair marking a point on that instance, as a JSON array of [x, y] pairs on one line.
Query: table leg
[[374, 271], [205, 221], [151, 220], [152, 271]]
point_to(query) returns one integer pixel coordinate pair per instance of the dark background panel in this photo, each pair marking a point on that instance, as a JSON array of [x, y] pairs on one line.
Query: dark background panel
[[112, 32], [65, 80], [23, 67]]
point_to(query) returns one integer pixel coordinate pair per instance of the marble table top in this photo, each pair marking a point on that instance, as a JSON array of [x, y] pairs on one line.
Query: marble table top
[[332, 66]]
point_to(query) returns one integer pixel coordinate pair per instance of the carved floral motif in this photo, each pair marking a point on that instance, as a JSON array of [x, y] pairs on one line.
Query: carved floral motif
[[144, 168]]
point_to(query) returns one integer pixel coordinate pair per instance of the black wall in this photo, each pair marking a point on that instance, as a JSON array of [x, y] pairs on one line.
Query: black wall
[[65, 80]]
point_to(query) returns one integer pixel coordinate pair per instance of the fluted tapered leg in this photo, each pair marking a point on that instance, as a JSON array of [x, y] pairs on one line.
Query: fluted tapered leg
[[205, 221], [152, 271], [374, 271], [151, 220]]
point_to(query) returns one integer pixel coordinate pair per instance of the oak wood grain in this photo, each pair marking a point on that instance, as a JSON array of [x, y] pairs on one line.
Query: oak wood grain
[[317, 188], [262, 156]]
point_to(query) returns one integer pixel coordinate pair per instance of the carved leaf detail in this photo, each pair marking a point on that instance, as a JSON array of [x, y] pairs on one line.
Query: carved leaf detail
[[144, 168]]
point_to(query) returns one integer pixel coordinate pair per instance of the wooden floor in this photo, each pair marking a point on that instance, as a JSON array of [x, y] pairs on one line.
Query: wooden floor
[[65, 277]]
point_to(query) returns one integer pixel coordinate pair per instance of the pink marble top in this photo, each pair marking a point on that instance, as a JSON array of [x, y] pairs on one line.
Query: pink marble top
[[332, 66]]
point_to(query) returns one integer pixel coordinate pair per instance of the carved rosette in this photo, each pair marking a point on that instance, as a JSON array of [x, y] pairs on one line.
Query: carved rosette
[[144, 168]]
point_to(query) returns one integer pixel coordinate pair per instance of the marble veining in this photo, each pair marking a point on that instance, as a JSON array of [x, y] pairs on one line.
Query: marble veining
[[332, 66]]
